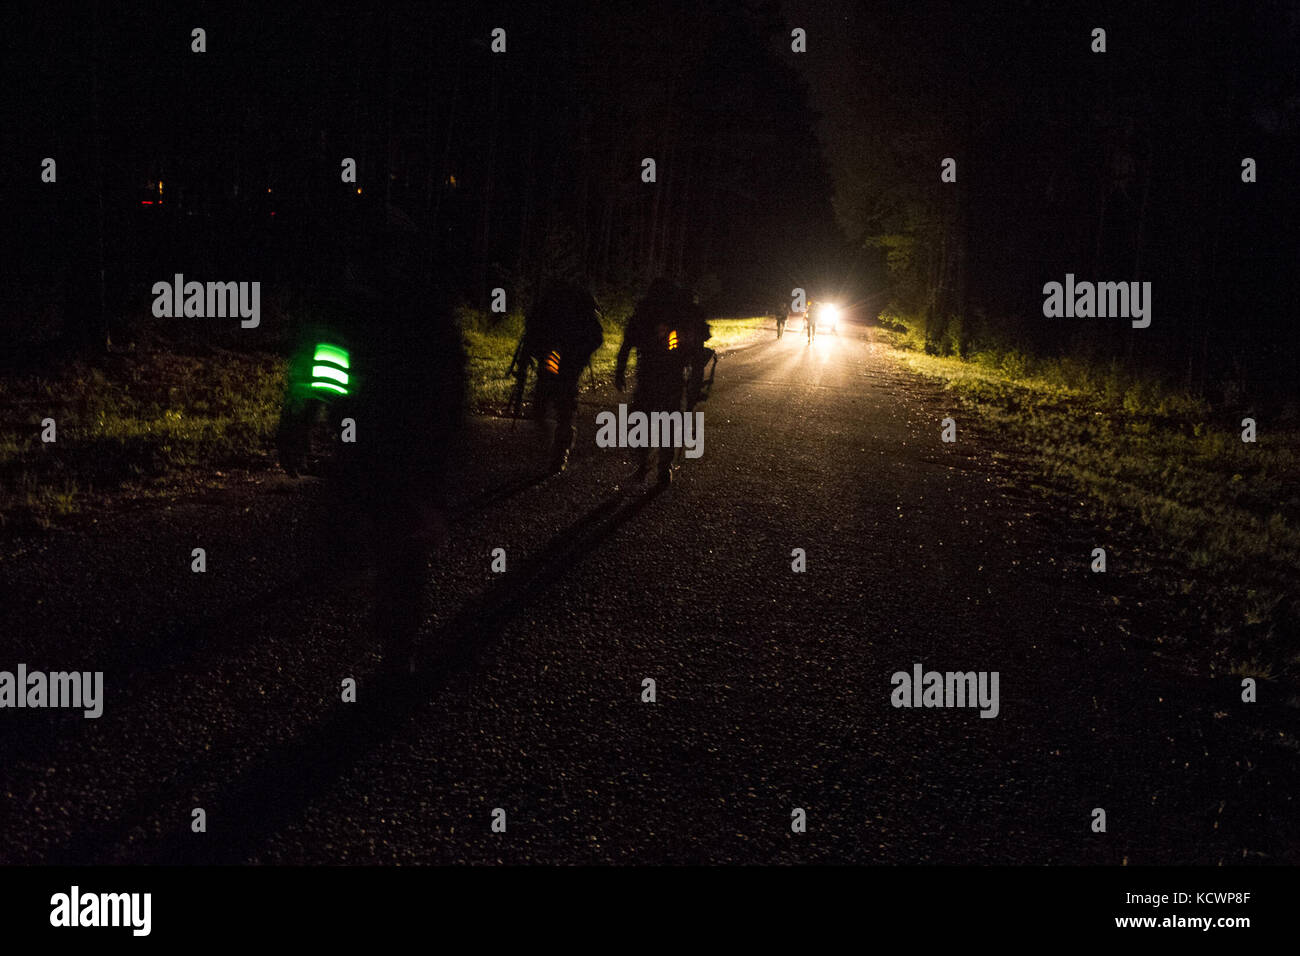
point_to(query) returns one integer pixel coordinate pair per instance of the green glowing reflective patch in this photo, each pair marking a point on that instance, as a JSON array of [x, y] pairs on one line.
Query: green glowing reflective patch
[[328, 371], [332, 387], [331, 353]]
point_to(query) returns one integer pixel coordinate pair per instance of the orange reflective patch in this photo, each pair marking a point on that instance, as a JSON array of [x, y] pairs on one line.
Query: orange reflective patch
[[553, 363], [672, 340]]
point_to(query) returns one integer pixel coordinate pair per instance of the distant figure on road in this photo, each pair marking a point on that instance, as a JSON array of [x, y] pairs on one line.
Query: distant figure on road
[[562, 331], [781, 313], [810, 322], [655, 330]]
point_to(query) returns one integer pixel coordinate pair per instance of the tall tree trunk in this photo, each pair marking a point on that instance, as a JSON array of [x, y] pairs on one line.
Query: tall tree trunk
[[485, 221], [685, 216], [530, 184], [1139, 239], [99, 338], [663, 196], [585, 171], [388, 125], [445, 170]]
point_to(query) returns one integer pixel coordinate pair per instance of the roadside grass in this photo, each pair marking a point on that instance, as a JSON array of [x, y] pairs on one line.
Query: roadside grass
[[1225, 512], [731, 332], [490, 343], [133, 416], [130, 416]]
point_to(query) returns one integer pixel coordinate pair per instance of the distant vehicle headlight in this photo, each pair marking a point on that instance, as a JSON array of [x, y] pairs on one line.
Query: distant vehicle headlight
[[828, 313]]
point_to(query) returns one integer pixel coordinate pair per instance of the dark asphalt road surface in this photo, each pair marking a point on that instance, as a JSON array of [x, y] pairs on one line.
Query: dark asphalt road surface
[[222, 689]]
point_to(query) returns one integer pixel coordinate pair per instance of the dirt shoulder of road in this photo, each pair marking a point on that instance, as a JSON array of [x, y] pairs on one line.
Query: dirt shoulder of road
[[1211, 519]]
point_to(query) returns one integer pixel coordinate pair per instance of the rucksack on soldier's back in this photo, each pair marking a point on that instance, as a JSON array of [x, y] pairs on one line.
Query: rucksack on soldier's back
[[565, 319]]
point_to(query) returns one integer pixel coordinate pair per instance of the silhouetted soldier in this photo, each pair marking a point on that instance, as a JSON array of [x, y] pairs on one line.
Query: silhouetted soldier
[[412, 409], [402, 367], [561, 332], [694, 332], [654, 329], [781, 313]]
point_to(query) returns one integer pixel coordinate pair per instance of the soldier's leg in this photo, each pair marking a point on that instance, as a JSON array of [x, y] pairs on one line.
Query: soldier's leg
[[668, 398], [642, 402], [695, 381], [402, 549], [398, 603], [566, 407], [705, 361], [543, 399]]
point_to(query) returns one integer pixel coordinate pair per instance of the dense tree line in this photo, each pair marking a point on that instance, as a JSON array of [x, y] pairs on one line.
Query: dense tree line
[[1117, 166], [523, 162]]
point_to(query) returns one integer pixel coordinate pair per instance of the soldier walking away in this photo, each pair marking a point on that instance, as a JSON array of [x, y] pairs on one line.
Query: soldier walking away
[[654, 329], [781, 313], [413, 410], [402, 370], [697, 356], [561, 332]]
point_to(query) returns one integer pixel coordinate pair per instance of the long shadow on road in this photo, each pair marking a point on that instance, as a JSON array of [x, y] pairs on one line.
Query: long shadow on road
[[140, 658], [283, 781]]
